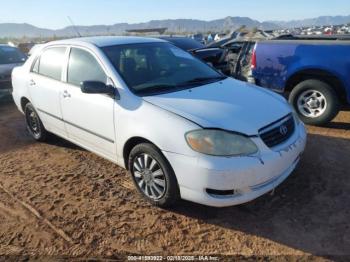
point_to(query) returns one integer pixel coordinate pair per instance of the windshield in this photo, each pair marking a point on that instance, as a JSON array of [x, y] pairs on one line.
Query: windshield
[[11, 55], [155, 68]]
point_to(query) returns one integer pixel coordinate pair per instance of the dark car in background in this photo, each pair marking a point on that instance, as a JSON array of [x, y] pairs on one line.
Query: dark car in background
[[10, 57], [238, 53], [185, 43], [231, 55], [212, 56], [223, 40], [26, 47], [198, 37]]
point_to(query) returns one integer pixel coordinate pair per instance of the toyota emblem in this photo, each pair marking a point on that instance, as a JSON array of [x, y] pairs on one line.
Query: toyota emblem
[[283, 130]]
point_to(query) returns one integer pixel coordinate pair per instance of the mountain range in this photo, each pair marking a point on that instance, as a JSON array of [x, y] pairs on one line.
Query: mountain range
[[16, 30]]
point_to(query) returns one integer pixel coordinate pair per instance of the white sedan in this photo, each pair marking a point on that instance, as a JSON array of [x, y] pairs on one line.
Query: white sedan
[[182, 129]]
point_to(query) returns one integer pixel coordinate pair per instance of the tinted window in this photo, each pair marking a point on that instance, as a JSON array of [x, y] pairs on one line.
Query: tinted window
[[51, 62], [84, 67], [11, 55], [159, 67]]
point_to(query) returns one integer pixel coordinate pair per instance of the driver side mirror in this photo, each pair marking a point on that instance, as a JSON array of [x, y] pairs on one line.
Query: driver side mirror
[[96, 87]]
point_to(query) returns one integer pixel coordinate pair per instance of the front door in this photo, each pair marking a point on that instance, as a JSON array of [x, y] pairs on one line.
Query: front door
[[89, 118]]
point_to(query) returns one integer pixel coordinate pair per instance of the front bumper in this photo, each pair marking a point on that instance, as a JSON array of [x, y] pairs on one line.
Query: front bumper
[[249, 177]]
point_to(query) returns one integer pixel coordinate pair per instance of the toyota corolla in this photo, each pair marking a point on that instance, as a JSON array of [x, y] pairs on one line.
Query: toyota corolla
[[181, 128]]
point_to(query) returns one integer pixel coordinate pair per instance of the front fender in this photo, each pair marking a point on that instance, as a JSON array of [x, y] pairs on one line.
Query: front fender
[[164, 129]]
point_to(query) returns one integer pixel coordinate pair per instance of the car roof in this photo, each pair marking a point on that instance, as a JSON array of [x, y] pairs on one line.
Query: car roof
[[175, 37], [8, 46], [102, 41]]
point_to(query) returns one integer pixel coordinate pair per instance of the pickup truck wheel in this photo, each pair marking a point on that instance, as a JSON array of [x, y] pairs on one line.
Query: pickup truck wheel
[[315, 102], [34, 124], [153, 175]]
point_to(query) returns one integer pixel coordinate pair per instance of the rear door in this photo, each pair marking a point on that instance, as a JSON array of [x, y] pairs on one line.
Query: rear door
[[45, 87], [89, 118]]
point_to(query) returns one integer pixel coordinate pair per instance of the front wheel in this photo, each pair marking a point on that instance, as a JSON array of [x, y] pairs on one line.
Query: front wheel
[[315, 102], [153, 175]]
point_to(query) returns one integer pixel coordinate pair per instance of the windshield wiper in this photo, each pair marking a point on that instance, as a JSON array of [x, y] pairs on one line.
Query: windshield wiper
[[199, 80], [164, 88], [156, 89]]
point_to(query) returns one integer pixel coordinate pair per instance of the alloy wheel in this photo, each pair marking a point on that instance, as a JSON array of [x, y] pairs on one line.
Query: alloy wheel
[[149, 176]]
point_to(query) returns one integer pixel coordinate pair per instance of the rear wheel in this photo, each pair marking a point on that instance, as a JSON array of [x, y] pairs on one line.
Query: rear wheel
[[153, 175], [34, 124], [315, 102]]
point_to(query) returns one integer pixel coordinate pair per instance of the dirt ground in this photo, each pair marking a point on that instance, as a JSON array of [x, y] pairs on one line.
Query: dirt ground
[[58, 200]]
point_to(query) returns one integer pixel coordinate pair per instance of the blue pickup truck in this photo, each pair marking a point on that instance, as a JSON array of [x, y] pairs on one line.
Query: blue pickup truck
[[314, 72]]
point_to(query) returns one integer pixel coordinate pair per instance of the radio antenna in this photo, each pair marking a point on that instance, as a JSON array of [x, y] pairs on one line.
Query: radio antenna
[[75, 28]]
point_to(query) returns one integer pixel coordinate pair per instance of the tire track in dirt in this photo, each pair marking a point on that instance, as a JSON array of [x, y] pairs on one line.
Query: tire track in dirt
[[58, 231]]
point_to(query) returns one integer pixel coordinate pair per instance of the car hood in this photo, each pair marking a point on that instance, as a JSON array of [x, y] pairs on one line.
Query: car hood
[[5, 70], [230, 105]]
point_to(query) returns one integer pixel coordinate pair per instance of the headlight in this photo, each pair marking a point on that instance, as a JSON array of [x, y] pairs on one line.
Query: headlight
[[220, 143]]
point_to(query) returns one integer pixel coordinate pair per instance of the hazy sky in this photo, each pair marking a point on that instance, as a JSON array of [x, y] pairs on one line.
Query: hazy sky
[[53, 13]]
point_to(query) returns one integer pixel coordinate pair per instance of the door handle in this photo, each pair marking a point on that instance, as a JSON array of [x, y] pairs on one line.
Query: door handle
[[32, 82], [66, 94]]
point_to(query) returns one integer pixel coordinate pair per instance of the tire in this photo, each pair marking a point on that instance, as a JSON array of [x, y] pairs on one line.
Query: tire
[[163, 190], [34, 125], [315, 101]]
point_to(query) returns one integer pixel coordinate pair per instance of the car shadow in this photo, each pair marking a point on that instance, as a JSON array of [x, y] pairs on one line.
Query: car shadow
[[13, 128], [346, 108], [61, 142], [338, 125], [308, 212]]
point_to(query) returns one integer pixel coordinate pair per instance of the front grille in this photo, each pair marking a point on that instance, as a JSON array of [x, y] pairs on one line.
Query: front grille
[[278, 132]]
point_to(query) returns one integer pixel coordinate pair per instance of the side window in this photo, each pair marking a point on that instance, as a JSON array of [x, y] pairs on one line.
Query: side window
[[84, 67], [51, 62]]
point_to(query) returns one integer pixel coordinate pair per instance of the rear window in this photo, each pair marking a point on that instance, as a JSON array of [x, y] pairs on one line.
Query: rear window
[[185, 43], [11, 55], [51, 62]]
